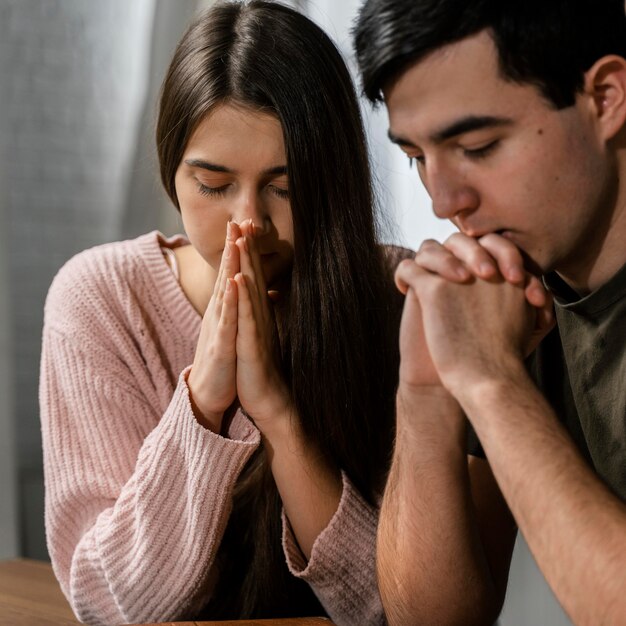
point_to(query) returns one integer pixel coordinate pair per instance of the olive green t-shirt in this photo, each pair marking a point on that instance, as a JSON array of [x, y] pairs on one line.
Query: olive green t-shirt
[[581, 369]]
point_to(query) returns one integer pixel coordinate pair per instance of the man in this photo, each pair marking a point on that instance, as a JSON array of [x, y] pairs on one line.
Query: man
[[515, 113]]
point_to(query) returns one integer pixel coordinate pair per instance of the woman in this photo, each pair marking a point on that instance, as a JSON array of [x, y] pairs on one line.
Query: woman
[[218, 412]]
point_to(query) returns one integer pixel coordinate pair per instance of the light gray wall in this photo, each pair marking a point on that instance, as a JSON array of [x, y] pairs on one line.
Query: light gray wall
[[78, 88], [8, 494], [529, 600], [73, 77]]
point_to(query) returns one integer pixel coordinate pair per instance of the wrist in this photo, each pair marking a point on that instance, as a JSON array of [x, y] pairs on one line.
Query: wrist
[[412, 395], [274, 418], [207, 418], [212, 420], [488, 392], [429, 417], [493, 378]]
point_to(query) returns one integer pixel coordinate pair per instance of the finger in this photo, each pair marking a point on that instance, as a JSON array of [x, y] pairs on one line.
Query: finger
[[546, 318], [434, 257], [219, 279], [536, 293], [507, 256], [250, 231], [247, 330], [475, 257], [245, 245], [228, 268], [274, 296], [247, 228], [407, 275], [255, 258], [227, 326], [232, 230]]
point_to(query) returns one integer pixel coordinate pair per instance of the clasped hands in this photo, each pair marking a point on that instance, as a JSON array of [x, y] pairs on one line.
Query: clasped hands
[[237, 356], [472, 313]]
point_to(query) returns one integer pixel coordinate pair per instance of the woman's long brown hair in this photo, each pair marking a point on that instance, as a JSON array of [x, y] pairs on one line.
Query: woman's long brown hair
[[339, 345]]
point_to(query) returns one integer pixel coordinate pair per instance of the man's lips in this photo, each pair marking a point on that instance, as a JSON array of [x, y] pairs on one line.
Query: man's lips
[[477, 233]]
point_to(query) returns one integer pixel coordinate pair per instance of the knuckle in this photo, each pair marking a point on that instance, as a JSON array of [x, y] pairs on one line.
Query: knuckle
[[428, 245], [451, 263], [458, 239], [478, 255], [500, 245], [404, 267]]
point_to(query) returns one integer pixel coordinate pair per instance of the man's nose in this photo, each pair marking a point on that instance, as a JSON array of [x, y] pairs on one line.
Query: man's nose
[[451, 195]]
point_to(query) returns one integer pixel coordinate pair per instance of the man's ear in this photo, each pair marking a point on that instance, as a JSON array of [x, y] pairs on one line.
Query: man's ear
[[605, 84]]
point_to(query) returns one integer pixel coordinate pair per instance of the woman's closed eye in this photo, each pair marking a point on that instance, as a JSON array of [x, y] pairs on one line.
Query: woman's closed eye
[[212, 191], [205, 190], [279, 191]]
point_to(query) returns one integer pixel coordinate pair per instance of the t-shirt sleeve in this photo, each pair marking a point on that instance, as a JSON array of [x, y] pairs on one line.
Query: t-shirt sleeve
[[342, 567]]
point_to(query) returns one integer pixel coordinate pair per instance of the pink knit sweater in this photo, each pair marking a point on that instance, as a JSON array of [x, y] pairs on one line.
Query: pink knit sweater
[[138, 494]]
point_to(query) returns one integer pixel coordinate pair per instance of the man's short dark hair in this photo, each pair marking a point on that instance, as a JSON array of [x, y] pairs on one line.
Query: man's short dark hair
[[546, 43]]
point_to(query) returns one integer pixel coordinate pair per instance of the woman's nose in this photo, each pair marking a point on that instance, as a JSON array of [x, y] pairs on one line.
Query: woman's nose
[[251, 207]]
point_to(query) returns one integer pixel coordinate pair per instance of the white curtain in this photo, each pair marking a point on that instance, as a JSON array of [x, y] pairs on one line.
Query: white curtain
[[401, 195]]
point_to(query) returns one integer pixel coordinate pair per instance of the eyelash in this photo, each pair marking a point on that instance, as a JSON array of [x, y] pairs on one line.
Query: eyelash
[[220, 191], [476, 153], [211, 191], [481, 153]]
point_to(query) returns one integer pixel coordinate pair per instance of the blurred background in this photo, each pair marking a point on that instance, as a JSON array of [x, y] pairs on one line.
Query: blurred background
[[79, 82]]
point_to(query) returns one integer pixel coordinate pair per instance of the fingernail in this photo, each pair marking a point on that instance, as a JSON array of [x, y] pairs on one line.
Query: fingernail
[[228, 285], [227, 249], [485, 268], [229, 231], [243, 244], [515, 274]]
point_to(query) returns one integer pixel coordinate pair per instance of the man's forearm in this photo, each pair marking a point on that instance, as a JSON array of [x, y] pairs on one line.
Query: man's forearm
[[430, 564], [575, 527]]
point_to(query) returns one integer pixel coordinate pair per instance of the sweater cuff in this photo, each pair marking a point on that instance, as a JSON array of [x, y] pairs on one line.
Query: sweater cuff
[[241, 428], [347, 544]]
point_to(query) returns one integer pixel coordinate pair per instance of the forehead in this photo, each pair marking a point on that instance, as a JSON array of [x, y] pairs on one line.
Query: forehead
[[237, 131], [456, 81]]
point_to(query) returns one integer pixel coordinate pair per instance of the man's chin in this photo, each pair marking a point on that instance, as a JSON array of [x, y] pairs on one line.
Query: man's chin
[[532, 265]]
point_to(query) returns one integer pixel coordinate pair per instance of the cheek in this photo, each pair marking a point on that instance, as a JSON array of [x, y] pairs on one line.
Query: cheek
[[205, 227], [283, 222]]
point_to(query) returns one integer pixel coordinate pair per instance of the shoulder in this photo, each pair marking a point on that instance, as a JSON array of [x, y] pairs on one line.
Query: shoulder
[[102, 278]]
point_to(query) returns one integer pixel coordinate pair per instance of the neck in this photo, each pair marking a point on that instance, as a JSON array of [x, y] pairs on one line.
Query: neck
[[197, 277], [602, 253]]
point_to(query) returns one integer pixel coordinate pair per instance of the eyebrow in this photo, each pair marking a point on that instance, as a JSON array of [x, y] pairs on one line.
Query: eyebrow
[[459, 127], [278, 170]]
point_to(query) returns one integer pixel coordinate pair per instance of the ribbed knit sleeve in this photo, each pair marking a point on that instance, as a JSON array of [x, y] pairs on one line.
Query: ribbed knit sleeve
[[138, 494], [342, 567]]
